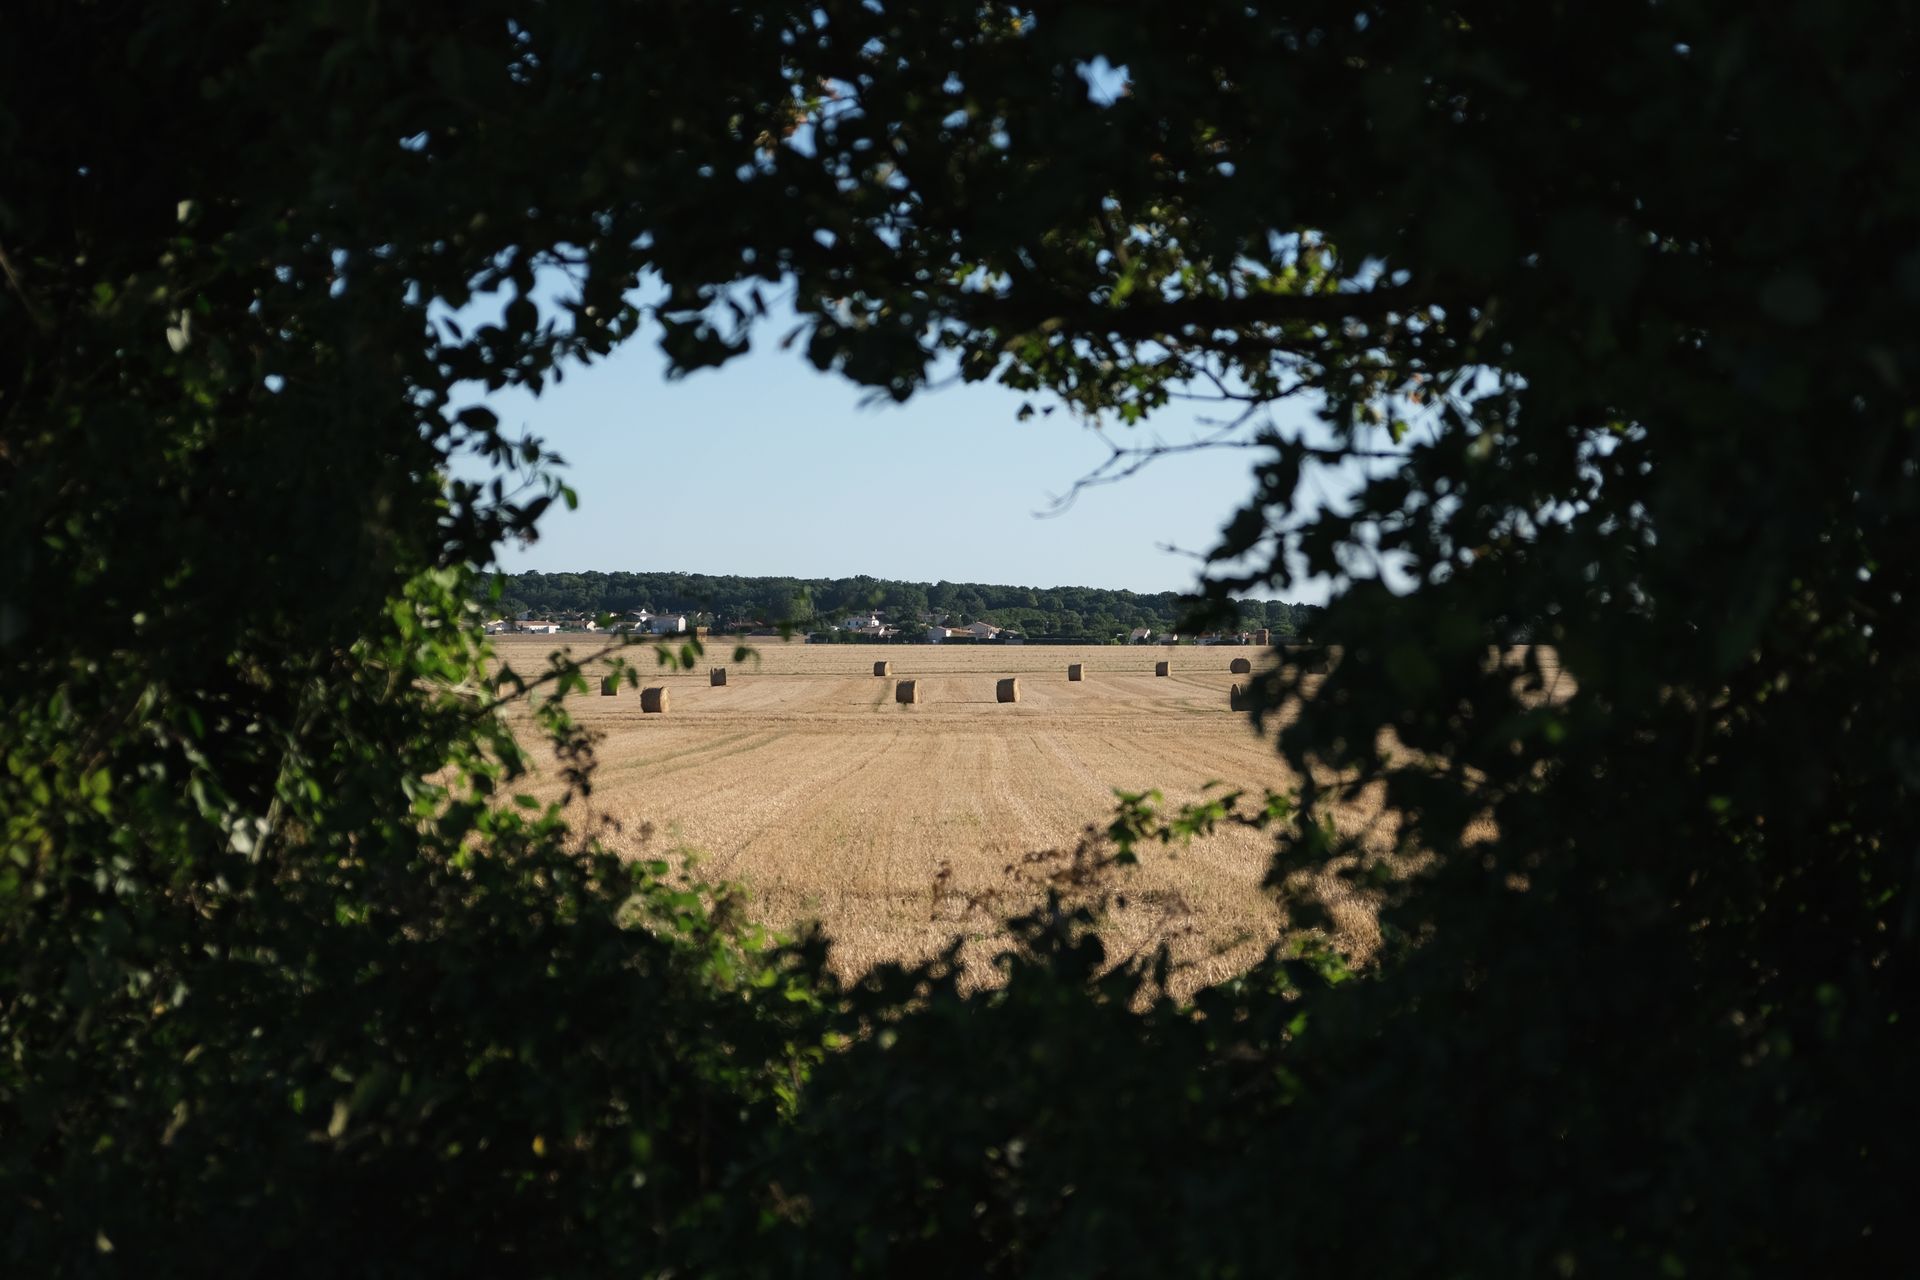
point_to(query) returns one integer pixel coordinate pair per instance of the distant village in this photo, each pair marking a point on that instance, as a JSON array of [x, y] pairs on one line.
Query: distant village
[[862, 609], [874, 627]]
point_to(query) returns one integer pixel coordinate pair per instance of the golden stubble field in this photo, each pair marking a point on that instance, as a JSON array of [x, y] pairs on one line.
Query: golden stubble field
[[899, 827]]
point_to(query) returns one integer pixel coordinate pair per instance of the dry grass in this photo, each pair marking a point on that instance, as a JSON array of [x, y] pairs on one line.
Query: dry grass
[[900, 826]]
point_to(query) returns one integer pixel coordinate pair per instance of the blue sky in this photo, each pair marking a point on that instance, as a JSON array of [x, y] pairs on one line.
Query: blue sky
[[767, 467]]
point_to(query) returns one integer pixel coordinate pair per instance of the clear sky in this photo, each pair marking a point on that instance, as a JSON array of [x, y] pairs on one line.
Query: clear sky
[[766, 467]]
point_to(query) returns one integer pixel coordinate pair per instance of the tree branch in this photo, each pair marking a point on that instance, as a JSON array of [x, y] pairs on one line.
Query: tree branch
[[26, 300]]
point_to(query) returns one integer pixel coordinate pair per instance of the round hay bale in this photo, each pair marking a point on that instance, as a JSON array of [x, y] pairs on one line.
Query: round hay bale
[[610, 687], [1007, 690], [907, 691], [1240, 666], [1163, 668], [883, 668], [1238, 698], [1076, 671], [653, 698], [717, 676]]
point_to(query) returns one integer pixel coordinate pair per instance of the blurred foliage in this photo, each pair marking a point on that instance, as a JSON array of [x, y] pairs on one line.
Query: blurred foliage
[[1604, 316]]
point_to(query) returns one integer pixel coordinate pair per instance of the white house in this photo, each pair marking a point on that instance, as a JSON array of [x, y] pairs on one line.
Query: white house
[[496, 625], [982, 630], [668, 624], [1140, 635], [867, 623], [541, 627], [936, 634]]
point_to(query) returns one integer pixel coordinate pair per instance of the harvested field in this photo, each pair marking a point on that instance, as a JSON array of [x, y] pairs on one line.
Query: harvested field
[[899, 826]]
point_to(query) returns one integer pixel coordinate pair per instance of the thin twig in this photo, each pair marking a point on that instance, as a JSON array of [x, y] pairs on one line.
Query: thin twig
[[26, 300]]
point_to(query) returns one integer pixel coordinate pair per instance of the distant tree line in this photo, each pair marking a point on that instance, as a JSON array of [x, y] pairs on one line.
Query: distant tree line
[[1039, 612]]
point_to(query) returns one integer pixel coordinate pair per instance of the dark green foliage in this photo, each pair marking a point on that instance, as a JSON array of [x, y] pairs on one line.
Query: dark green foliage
[[1606, 315], [1090, 612]]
